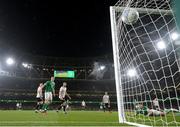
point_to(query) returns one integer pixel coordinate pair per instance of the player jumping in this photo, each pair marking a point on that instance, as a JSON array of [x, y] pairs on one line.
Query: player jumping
[[39, 98], [49, 92], [63, 96]]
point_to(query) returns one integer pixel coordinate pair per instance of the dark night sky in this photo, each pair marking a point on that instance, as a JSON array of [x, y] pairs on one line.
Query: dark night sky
[[55, 28]]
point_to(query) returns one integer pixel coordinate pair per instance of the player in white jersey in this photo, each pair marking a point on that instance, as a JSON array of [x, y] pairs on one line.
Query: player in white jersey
[[83, 105], [63, 96], [39, 97], [106, 102], [156, 104], [154, 112]]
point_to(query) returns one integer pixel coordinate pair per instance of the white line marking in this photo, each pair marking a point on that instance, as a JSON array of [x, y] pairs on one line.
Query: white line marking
[[53, 122]]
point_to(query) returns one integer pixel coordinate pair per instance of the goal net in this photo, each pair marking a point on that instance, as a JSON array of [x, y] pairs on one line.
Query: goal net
[[146, 59]]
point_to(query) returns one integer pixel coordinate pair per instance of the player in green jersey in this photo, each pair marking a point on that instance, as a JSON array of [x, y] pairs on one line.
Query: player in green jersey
[[141, 109], [49, 88]]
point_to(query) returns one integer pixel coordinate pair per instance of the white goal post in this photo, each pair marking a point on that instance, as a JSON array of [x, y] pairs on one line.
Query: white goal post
[[120, 103], [116, 67]]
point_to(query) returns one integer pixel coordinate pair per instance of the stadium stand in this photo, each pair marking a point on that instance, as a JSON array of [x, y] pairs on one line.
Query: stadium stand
[[19, 84]]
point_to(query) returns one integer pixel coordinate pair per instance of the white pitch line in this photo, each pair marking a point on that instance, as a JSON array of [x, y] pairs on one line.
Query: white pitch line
[[69, 126], [52, 122]]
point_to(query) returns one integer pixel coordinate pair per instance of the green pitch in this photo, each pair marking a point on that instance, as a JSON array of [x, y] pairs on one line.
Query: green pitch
[[171, 119], [73, 118], [79, 118]]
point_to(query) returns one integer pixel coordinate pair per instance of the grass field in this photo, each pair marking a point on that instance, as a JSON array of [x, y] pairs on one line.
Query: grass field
[[171, 119], [77, 118], [73, 118]]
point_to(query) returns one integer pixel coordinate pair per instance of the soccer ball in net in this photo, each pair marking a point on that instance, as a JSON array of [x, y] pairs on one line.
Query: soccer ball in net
[[130, 16]]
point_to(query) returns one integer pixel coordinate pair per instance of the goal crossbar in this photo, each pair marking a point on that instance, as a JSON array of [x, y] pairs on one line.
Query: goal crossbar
[[145, 10]]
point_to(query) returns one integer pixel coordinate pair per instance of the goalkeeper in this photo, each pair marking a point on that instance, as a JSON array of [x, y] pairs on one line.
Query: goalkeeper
[[152, 112], [141, 109], [148, 112]]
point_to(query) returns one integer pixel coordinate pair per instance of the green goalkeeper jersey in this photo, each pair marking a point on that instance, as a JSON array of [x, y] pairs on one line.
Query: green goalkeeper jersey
[[49, 86], [143, 111]]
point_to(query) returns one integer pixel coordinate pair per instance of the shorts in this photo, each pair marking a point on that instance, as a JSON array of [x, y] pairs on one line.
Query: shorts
[[39, 99], [48, 96], [64, 100], [155, 112], [106, 105]]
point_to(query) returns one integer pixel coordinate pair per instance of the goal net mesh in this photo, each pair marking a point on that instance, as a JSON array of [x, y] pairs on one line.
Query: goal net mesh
[[148, 63]]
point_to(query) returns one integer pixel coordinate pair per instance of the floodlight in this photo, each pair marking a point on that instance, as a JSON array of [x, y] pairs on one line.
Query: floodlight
[[161, 45], [9, 61], [25, 65], [131, 72], [174, 36], [102, 67]]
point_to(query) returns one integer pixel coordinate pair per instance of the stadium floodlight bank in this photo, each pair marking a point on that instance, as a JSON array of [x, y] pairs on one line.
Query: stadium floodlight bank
[[135, 46]]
